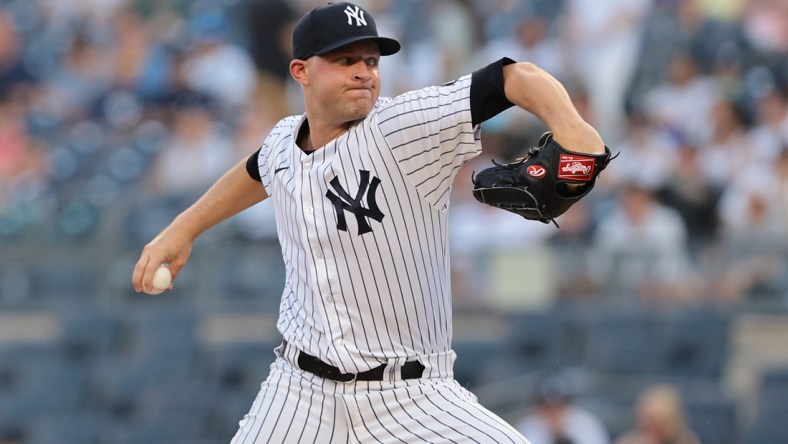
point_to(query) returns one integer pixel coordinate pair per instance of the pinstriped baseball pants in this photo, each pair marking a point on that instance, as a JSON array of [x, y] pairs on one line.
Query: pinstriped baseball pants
[[294, 406]]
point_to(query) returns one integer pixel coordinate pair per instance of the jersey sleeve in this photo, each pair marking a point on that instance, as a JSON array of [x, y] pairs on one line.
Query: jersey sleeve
[[431, 134], [279, 136]]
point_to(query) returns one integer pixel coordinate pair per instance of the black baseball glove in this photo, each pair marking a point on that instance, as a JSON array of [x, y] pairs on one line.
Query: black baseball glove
[[535, 186]]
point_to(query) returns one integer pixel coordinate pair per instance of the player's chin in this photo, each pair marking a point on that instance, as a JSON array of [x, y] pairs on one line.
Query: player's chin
[[359, 109]]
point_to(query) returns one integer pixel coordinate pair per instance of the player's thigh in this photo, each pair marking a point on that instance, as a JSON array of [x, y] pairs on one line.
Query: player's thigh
[[434, 411], [291, 408]]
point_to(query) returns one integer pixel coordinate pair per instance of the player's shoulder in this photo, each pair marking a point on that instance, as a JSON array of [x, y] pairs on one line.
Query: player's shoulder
[[284, 128], [287, 123], [281, 132], [427, 92]]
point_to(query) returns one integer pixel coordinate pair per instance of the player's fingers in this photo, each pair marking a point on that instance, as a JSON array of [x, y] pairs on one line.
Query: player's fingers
[[139, 272]]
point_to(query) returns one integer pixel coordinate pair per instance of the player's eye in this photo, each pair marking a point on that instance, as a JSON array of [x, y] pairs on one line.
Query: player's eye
[[372, 61]]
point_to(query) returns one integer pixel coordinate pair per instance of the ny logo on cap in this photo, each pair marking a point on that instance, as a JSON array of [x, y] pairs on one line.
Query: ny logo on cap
[[357, 14]]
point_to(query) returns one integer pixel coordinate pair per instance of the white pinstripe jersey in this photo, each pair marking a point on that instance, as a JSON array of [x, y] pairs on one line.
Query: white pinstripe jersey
[[362, 223]]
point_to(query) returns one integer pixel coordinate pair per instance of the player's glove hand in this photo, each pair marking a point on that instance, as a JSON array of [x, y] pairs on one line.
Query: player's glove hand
[[536, 186]]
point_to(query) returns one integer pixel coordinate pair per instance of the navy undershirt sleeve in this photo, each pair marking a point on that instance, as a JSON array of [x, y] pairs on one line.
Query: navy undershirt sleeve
[[487, 94]]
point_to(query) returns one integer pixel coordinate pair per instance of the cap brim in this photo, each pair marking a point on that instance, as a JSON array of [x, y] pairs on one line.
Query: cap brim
[[386, 45]]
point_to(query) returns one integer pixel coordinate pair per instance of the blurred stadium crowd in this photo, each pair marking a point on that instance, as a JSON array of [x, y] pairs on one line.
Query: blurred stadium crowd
[[116, 114]]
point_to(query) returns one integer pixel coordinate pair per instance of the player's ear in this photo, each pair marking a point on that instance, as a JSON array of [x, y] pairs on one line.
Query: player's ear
[[298, 70]]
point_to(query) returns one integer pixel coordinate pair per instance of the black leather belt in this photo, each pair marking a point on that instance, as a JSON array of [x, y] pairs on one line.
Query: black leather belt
[[311, 364]]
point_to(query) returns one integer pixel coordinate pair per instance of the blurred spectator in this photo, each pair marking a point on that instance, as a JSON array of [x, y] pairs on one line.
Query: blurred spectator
[[659, 416], [197, 153], [647, 154], [754, 235], [725, 151], [640, 249], [500, 18], [25, 191], [556, 419], [13, 70], [269, 31], [131, 48], [530, 41], [216, 66], [80, 79], [681, 26], [683, 101], [765, 24], [771, 128], [686, 190], [454, 38], [604, 37], [14, 139]]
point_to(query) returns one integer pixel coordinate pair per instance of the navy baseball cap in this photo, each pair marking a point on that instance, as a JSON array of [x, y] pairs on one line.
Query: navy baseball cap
[[334, 25]]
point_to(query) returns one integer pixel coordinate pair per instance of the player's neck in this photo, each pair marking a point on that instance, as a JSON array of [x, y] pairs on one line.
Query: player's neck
[[312, 136]]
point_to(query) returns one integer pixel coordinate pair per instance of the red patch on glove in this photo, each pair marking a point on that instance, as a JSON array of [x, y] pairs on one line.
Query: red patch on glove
[[575, 168]]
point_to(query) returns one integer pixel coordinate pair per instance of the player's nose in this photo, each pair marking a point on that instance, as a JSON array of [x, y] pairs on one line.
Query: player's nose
[[362, 71]]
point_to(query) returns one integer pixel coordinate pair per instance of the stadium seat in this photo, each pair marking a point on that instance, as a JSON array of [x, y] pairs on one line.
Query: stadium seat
[[713, 420], [773, 391], [251, 278], [474, 360], [190, 399], [89, 333], [66, 428], [620, 342], [238, 366], [767, 430], [539, 341], [116, 386], [694, 343], [226, 412], [62, 282]]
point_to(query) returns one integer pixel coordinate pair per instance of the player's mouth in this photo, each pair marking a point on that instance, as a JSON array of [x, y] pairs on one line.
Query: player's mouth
[[360, 91]]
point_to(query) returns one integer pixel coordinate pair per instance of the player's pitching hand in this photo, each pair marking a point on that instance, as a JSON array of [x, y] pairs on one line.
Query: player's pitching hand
[[166, 250]]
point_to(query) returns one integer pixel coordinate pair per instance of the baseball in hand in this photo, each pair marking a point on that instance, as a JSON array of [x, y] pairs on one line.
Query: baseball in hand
[[161, 280]]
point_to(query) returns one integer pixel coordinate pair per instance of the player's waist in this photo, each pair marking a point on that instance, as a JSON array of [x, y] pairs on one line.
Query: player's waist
[[435, 365]]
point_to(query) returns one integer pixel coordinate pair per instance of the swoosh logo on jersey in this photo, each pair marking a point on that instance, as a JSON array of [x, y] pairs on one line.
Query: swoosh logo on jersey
[[280, 169]]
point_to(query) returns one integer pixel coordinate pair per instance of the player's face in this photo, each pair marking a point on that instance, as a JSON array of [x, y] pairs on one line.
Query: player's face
[[344, 84]]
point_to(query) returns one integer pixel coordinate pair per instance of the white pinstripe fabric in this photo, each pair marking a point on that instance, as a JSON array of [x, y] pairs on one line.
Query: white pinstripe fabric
[[297, 407], [376, 292]]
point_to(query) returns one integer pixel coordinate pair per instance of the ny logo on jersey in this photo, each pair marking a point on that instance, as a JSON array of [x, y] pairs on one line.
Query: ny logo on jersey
[[354, 12], [344, 202]]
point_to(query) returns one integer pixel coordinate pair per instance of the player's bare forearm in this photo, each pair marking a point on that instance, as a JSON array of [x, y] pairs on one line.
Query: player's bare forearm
[[536, 91], [231, 194]]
